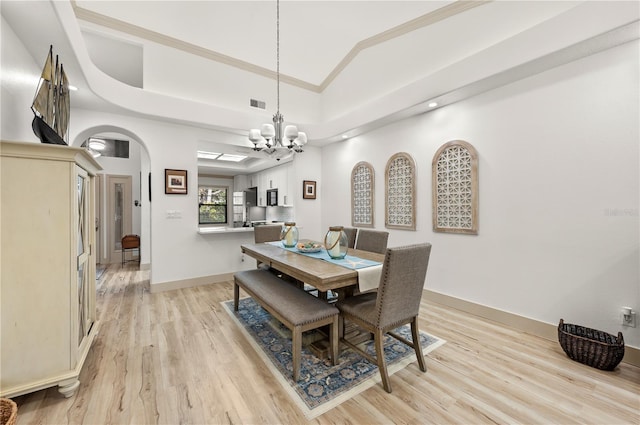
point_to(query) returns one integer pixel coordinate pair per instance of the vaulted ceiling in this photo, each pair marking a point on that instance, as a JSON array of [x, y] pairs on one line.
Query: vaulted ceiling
[[346, 66]]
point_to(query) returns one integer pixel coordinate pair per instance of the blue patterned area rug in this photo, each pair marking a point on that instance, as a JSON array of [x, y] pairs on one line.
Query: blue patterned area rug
[[321, 386]]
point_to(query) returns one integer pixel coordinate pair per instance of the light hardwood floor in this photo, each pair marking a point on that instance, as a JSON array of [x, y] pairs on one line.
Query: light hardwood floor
[[176, 357]]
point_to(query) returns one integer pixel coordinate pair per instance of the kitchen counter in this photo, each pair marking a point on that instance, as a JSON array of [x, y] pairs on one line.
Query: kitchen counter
[[209, 230], [227, 229]]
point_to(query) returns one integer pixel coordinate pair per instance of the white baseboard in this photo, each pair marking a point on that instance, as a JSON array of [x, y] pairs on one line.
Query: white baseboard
[[188, 283], [524, 324]]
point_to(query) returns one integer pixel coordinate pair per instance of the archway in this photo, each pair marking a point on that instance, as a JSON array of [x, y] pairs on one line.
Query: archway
[[137, 168]]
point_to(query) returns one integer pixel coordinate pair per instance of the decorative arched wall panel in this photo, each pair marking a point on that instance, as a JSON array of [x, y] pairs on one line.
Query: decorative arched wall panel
[[400, 191], [362, 195], [455, 188]]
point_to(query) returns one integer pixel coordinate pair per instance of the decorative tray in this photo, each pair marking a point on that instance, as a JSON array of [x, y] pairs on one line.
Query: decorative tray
[[309, 247]]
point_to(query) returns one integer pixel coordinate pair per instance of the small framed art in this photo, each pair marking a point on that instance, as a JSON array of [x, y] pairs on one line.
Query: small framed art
[[175, 182], [308, 189]]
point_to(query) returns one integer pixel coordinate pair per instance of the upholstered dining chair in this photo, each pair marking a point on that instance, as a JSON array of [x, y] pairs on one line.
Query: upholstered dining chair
[[372, 240], [271, 233], [397, 302], [351, 233], [266, 233]]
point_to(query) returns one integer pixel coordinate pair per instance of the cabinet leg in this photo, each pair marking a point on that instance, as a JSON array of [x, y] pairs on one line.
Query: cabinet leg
[[69, 387]]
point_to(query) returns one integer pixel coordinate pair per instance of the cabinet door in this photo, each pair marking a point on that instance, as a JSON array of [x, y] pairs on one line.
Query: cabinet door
[[240, 183], [262, 189], [285, 186], [274, 179], [83, 254]]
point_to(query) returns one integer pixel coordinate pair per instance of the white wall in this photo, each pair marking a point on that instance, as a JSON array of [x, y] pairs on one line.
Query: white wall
[[19, 79], [559, 185], [308, 212], [178, 252], [208, 82], [145, 211]]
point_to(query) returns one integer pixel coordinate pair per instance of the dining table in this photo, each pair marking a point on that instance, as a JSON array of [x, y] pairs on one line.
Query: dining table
[[323, 275]]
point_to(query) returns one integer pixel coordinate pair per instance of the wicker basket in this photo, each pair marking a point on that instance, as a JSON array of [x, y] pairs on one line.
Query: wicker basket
[[591, 347], [8, 411]]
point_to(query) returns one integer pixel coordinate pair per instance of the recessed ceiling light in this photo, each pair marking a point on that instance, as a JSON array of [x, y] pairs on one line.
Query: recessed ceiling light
[[220, 156], [208, 155], [344, 136], [73, 88], [229, 157], [433, 104]]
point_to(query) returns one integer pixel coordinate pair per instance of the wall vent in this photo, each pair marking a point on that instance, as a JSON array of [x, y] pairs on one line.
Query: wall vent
[[257, 103]]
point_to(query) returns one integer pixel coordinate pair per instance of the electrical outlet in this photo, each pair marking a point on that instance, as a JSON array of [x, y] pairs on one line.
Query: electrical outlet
[[628, 319]]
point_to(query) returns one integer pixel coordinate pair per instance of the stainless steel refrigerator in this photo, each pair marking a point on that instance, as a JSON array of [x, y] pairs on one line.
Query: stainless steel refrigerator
[[242, 202]]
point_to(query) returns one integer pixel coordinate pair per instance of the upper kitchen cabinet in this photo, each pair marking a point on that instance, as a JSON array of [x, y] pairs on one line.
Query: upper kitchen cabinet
[[240, 183], [258, 180], [282, 181], [263, 185], [273, 178]]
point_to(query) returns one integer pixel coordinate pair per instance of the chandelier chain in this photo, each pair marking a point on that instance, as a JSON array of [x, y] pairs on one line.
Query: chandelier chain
[[278, 53], [274, 135]]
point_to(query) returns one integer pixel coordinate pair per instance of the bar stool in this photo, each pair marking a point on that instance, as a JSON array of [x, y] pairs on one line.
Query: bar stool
[[130, 242]]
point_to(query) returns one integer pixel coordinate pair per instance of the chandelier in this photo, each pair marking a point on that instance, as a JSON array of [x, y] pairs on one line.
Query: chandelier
[[275, 139]]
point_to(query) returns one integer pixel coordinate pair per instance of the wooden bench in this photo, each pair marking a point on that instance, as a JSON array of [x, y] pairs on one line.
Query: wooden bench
[[293, 307]]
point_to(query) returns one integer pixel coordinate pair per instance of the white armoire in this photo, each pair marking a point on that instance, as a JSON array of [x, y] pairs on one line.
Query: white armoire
[[47, 266]]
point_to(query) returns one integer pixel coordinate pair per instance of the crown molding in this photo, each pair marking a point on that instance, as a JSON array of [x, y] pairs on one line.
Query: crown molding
[[425, 20]]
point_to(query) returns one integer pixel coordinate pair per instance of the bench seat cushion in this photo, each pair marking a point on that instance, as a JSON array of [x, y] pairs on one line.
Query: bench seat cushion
[[299, 307]]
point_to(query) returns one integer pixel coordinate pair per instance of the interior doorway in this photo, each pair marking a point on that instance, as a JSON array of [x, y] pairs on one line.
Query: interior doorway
[[99, 205], [119, 214], [127, 158]]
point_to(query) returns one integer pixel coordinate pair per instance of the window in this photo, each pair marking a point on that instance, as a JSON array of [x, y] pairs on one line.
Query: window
[[212, 205]]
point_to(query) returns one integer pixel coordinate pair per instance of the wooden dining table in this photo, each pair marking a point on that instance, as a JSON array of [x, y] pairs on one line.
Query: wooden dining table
[[322, 275]]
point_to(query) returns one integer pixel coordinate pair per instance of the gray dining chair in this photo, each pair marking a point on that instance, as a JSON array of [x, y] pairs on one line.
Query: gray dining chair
[[372, 240], [351, 233], [271, 233], [266, 233], [397, 302]]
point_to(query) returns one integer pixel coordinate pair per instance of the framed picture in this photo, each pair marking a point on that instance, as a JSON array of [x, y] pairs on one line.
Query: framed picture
[[175, 182], [308, 189]]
